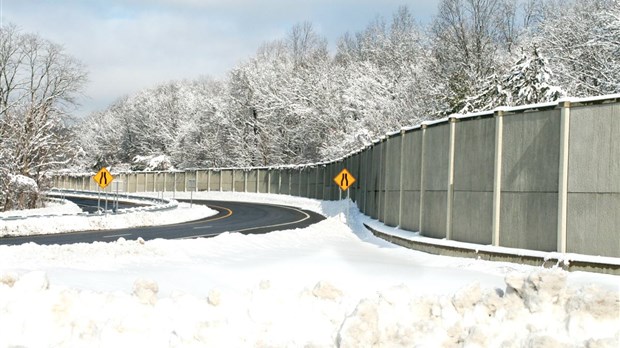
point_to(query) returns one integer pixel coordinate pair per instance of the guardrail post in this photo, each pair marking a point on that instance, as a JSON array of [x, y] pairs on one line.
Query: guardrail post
[[563, 175]]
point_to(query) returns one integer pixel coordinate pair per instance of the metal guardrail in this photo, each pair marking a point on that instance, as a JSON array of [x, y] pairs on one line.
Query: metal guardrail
[[155, 204]]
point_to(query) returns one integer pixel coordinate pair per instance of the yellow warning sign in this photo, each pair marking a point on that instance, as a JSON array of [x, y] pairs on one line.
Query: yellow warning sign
[[344, 179], [103, 178]]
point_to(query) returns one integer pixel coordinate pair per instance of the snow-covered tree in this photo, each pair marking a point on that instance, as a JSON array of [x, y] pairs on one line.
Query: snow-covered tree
[[381, 80], [38, 86], [178, 120], [582, 41], [528, 81], [471, 40]]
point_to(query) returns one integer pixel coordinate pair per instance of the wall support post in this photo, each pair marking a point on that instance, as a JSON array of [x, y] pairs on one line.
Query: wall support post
[[563, 175], [422, 163], [402, 175], [497, 176], [450, 193]]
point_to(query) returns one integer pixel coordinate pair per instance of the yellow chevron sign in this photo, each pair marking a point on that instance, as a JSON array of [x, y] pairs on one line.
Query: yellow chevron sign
[[103, 178]]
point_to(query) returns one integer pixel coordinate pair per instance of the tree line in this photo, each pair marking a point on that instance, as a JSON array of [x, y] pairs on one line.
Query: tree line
[[294, 101], [298, 101]]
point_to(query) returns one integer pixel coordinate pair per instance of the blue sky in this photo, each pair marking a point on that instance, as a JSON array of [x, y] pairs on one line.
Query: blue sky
[[134, 44]]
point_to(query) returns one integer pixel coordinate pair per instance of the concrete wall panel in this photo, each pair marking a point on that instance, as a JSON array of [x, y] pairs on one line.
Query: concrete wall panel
[[412, 164], [474, 155], [239, 183], [202, 180], [436, 162], [594, 153], [472, 217], [531, 152], [374, 167], [214, 183], [252, 179], [529, 220], [170, 181], [274, 181], [474, 158], [593, 220], [411, 211], [312, 182], [285, 182], [434, 220], [594, 180], [141, 182], [305, 182], [132, 180], [159, 181], [530, 162], [295, 182], [263, 182], [392, 180], [435, 185], [226, 176]]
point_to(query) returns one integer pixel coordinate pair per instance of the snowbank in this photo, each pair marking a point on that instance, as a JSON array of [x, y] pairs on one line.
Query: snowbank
[[331, 284], [536, 309]]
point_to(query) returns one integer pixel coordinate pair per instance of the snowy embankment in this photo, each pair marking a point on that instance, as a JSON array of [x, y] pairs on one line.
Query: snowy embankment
[[331, 284]]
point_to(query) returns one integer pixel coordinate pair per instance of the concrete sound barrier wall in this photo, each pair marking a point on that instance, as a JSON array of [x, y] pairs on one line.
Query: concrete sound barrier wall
[[542, 177]]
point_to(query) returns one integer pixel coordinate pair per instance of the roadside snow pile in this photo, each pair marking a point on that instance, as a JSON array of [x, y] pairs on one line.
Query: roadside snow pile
[[536, 309], [50, 207], [53, 224]]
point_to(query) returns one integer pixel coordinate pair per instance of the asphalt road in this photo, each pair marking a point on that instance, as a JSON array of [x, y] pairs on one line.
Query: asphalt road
[[246, 218]]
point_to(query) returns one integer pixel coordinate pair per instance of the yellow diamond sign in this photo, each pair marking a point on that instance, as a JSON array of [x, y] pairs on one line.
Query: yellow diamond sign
[[103, 178], [344, 179]]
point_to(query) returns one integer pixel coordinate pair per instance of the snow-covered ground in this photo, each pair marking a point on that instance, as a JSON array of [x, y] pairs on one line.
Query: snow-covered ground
[[332, 284]]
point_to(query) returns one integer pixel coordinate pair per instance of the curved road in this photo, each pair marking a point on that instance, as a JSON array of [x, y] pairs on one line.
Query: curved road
[[247, 218], [89, 205]]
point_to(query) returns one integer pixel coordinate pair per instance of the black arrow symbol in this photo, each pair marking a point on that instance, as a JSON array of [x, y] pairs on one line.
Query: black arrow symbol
[[345, 180]]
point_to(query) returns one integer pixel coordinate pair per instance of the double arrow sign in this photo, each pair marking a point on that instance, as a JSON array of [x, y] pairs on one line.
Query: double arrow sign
[[344, 179], [103, 178]]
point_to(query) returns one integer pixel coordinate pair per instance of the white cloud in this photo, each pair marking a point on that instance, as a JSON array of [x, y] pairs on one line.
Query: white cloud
[[134, 44]]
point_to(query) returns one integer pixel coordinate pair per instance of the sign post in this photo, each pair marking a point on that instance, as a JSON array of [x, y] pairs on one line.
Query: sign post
[[344, 180], [191, 186], [116, 187], [103, 178]]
